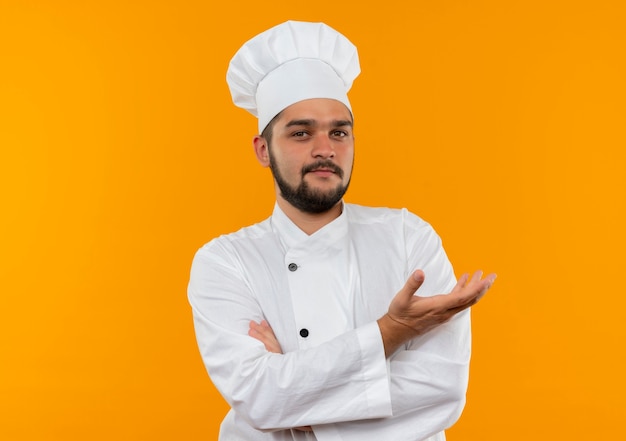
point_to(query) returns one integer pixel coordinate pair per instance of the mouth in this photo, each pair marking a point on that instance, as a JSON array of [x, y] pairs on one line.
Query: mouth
[[323, 170]]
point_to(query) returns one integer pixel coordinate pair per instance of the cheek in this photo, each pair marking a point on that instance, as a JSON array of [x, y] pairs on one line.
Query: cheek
[[289, 168], [347, 161]]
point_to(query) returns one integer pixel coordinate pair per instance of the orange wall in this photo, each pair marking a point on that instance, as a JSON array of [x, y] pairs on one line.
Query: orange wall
[[502, 123]]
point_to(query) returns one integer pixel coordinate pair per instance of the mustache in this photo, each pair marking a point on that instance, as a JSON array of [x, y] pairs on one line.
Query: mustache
[[323, 164]]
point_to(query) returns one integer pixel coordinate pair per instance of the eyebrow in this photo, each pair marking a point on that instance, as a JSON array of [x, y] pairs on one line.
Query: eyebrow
[[312, 122]]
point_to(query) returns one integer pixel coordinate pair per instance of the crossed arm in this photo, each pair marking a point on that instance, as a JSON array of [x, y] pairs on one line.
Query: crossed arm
[[409, 315]]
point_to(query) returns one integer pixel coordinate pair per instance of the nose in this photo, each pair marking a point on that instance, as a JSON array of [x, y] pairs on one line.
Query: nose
[[323, 147]]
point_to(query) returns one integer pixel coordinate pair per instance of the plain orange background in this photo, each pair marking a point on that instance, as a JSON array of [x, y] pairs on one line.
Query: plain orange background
[[502, 123]]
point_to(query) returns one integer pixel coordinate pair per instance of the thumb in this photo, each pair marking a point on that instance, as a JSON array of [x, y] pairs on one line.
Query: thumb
[[413, 283]]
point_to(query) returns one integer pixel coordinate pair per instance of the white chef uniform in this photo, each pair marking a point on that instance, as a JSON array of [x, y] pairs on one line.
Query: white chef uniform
[[322, 295]]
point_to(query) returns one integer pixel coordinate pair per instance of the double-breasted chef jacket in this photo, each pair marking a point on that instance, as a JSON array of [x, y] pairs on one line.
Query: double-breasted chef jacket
[[322, 294]]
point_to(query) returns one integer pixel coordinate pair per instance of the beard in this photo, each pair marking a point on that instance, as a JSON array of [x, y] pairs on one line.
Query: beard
[[302, 196]]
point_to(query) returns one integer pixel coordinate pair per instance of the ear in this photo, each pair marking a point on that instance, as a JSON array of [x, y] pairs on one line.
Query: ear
[[261, 150]]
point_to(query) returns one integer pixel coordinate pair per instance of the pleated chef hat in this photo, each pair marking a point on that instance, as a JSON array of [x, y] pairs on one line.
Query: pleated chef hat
[[291, 62]]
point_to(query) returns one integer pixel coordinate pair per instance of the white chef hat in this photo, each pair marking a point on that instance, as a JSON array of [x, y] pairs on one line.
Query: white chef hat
[[291, 62]]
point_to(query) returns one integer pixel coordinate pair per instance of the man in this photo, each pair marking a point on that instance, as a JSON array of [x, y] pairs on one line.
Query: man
[[308, 322]]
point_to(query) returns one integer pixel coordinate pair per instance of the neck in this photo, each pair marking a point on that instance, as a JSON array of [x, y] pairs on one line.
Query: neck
[[309, 222]]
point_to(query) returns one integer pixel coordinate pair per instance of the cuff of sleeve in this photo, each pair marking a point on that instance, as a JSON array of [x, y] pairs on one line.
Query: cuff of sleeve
[[375, 371], [375, 376]]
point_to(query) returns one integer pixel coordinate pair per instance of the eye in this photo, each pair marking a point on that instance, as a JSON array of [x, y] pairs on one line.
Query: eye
[[299, 134], [339, 133]]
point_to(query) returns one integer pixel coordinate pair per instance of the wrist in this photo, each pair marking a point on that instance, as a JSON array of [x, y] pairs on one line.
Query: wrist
[[394, 333]]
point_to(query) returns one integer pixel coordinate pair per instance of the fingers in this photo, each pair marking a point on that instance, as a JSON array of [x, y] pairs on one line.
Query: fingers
[[487, 282], [263, 332], [260, 330], [460, 283], [480, 284], [490, 279], [469, 290], [412, 284], [253, 330]]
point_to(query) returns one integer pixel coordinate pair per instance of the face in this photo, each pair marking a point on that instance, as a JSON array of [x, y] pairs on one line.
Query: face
[[311, 154]]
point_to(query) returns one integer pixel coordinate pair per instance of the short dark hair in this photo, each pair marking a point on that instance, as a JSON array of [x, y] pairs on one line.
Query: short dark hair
[[268, 131]]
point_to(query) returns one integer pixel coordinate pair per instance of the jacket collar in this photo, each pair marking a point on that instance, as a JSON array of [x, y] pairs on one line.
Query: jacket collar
[[292, 237]]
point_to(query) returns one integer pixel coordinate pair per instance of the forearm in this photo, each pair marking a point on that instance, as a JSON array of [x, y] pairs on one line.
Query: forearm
[[430, 372], [343, 379], [428, 386]]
